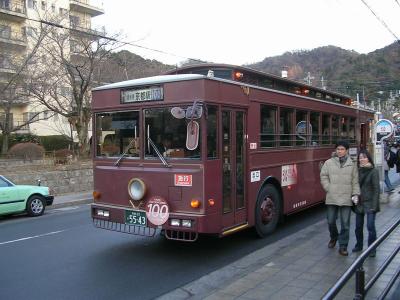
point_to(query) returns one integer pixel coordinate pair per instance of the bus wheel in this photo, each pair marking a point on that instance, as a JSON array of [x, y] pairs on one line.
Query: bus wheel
[[267, 211]]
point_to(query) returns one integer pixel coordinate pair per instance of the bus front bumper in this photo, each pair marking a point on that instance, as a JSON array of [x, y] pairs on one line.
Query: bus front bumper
[[179, 226]]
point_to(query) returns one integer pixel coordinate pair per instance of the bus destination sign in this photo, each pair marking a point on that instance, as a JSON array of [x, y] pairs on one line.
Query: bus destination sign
[[153, 93]]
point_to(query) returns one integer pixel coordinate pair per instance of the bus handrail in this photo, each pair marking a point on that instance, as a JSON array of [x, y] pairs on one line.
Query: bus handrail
[[357, 267]]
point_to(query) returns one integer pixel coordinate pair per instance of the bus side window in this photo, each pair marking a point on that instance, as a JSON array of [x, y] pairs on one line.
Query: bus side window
[[212, 136], [268, 126]]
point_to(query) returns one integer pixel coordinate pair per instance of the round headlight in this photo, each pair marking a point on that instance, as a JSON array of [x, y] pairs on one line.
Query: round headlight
[[136, 189]]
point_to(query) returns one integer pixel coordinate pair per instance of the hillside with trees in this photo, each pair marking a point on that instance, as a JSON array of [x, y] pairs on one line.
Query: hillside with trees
[[376, 74]]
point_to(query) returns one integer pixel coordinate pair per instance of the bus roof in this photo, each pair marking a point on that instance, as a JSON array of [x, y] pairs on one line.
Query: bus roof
[[150, 81]]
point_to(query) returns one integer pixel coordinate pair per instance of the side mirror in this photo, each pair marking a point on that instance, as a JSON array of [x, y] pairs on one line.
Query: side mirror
[[178, 112], [194, 112], [192, 135]]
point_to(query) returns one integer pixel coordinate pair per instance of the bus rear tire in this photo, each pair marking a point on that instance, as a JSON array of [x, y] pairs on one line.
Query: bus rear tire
[[267, 210]]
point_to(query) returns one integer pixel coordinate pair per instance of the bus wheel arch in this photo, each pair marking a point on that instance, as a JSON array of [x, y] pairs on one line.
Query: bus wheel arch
[[268, 208]]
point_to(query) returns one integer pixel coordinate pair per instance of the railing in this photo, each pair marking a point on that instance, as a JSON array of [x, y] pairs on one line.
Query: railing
[[13, 6], [86, 28], [13, 35], [361, 289]]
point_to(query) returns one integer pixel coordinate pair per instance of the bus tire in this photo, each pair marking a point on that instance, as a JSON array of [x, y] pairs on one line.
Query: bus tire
[[267, 210]]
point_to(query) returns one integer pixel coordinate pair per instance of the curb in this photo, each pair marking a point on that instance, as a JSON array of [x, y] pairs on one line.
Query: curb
[[70, 203]]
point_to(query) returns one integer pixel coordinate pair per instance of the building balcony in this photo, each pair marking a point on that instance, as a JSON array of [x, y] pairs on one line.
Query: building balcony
[[13, 38], [83, 6], [13, 11], [7, 69], [80, 28]]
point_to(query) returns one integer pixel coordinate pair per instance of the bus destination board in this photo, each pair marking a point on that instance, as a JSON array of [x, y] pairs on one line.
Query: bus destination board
[[154, 93]]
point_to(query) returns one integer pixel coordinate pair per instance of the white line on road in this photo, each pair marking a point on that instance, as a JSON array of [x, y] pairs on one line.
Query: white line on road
[[31, 237]]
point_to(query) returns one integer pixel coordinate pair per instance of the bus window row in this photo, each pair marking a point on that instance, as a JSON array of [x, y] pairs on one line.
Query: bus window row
[[288, 127]]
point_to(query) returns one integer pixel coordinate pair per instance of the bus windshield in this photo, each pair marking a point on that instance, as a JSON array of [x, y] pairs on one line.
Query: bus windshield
[[115, 132], [169, 134]]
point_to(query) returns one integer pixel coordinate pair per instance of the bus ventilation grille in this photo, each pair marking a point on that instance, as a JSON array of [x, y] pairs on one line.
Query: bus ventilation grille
[[131, 229], [185, 236]]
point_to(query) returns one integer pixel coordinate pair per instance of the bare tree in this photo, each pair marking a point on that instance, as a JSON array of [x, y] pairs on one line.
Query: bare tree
[[13, 87], [63, 80]]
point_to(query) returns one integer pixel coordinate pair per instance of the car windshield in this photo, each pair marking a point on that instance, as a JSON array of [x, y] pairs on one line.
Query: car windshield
[[4, 182], [169, 133]]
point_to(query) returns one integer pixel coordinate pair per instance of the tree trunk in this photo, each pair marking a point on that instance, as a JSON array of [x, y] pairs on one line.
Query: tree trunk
[[82, 131], [6, 138]]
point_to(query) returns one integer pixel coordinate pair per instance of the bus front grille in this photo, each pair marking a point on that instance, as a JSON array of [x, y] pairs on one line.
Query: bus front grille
[[124, 228], [177, 235]]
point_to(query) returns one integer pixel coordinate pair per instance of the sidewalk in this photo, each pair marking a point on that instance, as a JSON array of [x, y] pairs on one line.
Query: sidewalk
[[300, 266], [71, 199]]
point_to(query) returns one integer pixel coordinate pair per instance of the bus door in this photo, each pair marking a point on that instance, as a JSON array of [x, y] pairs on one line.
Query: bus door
[[233, 167]]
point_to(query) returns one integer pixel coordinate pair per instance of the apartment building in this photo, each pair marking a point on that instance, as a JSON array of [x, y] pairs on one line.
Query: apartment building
[[17, 22]]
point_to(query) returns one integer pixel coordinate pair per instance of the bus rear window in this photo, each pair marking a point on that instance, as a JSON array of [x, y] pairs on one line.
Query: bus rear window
[[116, 133]]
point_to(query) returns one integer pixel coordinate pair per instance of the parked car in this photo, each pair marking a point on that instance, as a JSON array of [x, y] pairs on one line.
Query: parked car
[[31, 199]]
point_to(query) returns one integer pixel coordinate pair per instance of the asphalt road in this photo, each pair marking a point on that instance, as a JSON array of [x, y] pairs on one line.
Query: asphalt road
[[62, 256]]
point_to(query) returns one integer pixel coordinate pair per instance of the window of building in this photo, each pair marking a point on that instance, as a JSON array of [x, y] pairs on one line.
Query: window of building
[[30, 3], [53, 7], [63, 11], [268, 126], [352, 130], [212, 133], [314, 121], [335, 129], [74, 21], [46, 114], [302, 128], [344, 127], [285, 127], [30, 31], [30, 117], [43, 5], [5, 31]]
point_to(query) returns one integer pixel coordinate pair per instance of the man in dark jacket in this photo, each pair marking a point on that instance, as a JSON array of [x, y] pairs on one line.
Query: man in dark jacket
[[339, 178]]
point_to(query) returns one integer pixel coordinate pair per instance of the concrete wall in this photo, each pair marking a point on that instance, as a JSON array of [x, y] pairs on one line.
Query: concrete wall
[[76, 177]]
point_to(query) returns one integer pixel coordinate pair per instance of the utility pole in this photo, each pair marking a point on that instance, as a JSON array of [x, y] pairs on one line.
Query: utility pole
[[323, 83], [308, 78]]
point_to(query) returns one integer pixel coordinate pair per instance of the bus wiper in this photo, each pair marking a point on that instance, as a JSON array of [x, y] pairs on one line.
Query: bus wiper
[[158, 152], [124, 153]]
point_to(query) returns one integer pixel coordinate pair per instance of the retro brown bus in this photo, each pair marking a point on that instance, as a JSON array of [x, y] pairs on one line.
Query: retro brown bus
[[213, 149]]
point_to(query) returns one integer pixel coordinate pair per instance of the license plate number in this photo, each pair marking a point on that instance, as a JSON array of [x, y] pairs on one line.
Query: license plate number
[[134, 217]]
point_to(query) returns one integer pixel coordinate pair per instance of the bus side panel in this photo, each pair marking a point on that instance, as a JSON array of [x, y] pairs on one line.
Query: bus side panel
[[213, 190]]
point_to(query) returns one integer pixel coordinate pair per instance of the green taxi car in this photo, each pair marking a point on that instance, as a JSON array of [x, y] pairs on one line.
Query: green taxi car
[[31, 199]]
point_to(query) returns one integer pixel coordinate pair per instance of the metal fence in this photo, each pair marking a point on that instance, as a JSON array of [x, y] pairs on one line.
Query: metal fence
[[362, 288]]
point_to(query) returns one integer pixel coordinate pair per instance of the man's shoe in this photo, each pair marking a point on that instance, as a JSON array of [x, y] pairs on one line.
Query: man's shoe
[[343, 252], [332, 243], [357, 249]]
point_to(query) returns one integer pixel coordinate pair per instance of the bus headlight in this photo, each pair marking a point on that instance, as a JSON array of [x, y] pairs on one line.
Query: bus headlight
[[136, 189]]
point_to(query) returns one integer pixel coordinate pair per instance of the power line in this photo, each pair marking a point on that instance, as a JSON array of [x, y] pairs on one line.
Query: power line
[[397, 2], [113, 39], [380, 20]]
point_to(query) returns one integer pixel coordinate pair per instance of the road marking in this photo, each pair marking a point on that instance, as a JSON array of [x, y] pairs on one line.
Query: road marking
[[31, 237]]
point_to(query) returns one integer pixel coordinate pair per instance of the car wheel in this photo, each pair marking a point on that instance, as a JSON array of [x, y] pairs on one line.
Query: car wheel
[[267, 210], [35, 206]]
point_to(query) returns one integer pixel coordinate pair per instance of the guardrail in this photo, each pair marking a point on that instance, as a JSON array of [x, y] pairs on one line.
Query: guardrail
[[361, 289]]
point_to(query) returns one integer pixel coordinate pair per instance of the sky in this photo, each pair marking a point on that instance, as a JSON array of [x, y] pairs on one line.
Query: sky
[[242, 32]]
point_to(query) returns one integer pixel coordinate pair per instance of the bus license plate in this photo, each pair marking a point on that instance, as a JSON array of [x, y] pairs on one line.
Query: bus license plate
[[134, 217]]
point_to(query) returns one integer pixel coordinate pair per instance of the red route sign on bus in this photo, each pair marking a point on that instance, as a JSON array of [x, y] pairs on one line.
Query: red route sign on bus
[[183, 180], [157, 210]]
